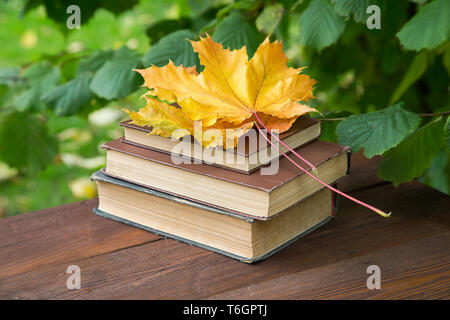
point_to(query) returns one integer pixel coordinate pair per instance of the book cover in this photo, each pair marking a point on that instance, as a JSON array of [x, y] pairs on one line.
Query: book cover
[[300, 124], [317, 153], [252, 151], [213, 212]]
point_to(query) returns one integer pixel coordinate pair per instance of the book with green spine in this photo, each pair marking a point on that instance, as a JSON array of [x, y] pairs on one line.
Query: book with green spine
[[232, 234]]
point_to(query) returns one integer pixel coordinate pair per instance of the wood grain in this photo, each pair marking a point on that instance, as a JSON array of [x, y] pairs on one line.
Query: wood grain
[[70, 232], [418, 269], [363, 173], [120, 262]]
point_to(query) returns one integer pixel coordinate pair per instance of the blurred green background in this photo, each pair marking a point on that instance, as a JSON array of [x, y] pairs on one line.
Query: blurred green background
[[61, 90]]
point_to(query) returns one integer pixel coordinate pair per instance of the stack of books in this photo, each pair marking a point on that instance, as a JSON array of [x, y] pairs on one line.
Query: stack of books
[[246, 203]]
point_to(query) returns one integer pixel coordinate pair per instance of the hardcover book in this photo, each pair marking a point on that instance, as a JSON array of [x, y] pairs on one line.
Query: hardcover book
[[234, 235], [251, 152], [255, 194]]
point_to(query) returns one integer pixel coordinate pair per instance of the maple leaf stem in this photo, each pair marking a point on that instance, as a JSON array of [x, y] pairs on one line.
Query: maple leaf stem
[[378, 211], [285, 145]]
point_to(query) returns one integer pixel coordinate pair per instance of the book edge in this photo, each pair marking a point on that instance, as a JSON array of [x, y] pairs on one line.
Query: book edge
[[203, 246], [208, 206], [106, 146], [283, 135], [103, 177], [288, 152]]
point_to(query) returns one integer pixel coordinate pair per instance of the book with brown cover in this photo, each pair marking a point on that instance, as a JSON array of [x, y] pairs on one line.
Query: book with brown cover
[[251, 152], [256, 195]]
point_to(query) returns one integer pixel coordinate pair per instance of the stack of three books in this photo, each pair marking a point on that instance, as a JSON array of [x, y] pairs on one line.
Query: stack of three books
[[246, 203]]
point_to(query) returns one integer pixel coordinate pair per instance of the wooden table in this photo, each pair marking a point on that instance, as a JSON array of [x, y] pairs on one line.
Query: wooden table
[[412, 249]]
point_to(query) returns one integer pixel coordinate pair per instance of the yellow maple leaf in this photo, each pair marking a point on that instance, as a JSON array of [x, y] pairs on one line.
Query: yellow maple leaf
[[232, 92], [232, 88], [170, 121], [166, 120]]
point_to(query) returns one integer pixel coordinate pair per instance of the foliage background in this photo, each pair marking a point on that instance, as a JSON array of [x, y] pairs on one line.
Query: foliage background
[[61, 90]]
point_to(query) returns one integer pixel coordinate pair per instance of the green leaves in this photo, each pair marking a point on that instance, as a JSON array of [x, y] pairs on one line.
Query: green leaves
[[234, 32], [8, 75], [428, 28], [438, 174], [175, 47], [414, 73], [414, 155], [355, 8], [116, 78], [108, 74], [94, 62], [70, 97], [446, 60], [378, 131], [365, 69], [41, 78], [328, 128], [269, 18], [24, 142], [447, 135], [58, 10], [200, 6], [162, 28], [320, 25]]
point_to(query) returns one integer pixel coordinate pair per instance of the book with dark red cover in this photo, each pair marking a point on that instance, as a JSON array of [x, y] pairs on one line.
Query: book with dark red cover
[[317, 153]]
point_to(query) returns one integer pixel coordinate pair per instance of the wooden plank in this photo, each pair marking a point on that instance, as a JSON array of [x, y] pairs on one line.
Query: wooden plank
[[72, 232], [66, 233], [363, 173], [419, 269], [169, 269]]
